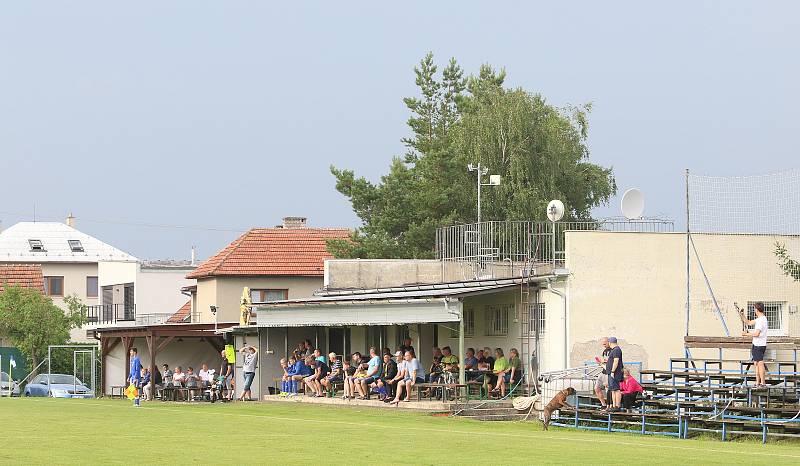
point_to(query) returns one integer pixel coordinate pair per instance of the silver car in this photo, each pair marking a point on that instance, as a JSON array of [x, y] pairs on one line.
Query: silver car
[[6, 385]]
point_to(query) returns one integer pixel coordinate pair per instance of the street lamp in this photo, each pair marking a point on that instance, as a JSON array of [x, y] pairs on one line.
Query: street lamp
[[494, 180], [214, 313]]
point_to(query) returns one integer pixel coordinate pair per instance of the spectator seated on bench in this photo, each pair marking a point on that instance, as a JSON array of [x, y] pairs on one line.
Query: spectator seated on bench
[[631, 390], [334, 378], [413, 375]]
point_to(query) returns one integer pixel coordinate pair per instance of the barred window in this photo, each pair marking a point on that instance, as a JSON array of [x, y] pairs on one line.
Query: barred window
[[469, 324], [773, 311], [497, 319], [538, 321]]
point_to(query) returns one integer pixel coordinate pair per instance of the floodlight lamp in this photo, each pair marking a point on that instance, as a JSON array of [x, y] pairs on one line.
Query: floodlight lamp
[[471, 167], [213, 310], [494, 180]]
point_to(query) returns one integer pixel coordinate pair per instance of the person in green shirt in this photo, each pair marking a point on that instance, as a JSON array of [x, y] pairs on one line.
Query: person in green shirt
[[501, 372], [515, 363]]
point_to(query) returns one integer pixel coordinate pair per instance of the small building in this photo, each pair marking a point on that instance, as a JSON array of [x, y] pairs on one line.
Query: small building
[[285, 262]]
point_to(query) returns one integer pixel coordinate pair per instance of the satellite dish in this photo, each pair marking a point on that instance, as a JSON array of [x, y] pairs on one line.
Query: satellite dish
[[555, 210], [633, 204]]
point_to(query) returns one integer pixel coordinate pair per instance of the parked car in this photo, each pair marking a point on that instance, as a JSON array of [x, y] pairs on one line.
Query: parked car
[[59, 386], [7, 384]]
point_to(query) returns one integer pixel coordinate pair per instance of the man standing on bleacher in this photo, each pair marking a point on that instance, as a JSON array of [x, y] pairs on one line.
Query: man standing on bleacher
[[759, 334], [614, 370]]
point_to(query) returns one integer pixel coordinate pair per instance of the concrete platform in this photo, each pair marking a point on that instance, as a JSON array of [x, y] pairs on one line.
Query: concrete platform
[[424, 406]]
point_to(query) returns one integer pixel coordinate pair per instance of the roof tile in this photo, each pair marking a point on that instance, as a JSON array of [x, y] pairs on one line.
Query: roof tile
[[273, 251], [24, 275]]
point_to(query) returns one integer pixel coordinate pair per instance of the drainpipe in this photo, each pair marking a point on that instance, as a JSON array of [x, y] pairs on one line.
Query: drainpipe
[[564, 303]]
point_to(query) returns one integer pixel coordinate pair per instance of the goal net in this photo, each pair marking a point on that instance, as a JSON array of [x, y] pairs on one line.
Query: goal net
[[743, 231]]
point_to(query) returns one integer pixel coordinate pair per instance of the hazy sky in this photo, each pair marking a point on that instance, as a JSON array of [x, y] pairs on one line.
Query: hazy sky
[[227, 115]]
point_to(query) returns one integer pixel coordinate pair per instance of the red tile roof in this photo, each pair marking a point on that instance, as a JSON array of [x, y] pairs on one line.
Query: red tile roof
[[273, 251], [24, 275], [181, 314]]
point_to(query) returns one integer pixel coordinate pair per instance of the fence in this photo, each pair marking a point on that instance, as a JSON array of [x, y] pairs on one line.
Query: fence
[[499, 249]]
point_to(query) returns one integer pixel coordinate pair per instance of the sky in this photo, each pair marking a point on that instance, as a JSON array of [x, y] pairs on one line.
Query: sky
[[162, 125]]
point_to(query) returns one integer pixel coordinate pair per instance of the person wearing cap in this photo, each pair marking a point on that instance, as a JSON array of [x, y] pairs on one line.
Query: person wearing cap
[[614, 371]]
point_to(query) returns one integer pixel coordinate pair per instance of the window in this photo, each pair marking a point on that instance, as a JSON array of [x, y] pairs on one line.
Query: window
[[773, 311], [91, 287], [36, 245], [538, 321], [262, 296], [75, 245], [54, 286], [469, 324], [497, 319]]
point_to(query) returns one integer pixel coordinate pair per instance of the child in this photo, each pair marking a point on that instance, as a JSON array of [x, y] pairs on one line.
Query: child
[[349, 371], [284, 378]]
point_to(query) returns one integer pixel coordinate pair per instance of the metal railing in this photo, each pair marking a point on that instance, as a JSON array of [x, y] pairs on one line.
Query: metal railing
[[152, 319], [109, 313], [521, 241]]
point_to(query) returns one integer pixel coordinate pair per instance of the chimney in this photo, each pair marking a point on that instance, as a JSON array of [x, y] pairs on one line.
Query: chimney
[[294, 222], [70, 220], [194, 256]]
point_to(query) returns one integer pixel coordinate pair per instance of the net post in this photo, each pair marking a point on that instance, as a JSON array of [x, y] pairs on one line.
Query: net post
[[688, 286]]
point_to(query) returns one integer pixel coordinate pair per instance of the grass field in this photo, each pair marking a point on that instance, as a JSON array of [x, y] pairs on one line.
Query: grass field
[[56, 431]]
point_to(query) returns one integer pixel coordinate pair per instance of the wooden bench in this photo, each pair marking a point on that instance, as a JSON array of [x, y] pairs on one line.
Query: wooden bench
[[443, 388], [117, 390]]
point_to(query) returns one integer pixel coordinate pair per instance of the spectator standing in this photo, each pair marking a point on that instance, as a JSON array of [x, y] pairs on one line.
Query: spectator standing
[[406, 346], [601, 384], [249, 364], [226, 374], [614, 370], [759, 345], [630, 389]]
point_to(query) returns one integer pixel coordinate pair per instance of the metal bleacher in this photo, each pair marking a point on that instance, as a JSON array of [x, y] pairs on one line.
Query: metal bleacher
[[702, 395]]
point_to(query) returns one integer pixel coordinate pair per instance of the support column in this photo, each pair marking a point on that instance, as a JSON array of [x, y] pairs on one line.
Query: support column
[[461, 349], [152, 345]]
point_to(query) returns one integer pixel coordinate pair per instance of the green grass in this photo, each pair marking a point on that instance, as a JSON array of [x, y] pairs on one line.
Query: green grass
[[39, 430]]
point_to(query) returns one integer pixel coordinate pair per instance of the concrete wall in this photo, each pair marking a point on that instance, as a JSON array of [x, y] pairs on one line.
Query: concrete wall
[[188, 352], [226, 293], [383, 273], [633, 286], [74, 284], [379, 273]]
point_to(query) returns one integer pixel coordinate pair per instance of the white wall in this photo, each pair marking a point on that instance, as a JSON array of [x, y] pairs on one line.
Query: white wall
[[116, 273], [158, 291], [74, 284]]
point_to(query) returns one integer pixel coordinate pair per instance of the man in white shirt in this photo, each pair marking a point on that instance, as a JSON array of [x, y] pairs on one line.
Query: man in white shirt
[[205, 376], [759, 334]]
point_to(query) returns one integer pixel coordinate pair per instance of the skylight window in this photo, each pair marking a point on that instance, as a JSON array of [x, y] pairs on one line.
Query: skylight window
[[36, 245], [75, 245]]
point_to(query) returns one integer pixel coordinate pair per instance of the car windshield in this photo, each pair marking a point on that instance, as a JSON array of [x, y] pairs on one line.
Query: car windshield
[[3, 377], [59, 379]]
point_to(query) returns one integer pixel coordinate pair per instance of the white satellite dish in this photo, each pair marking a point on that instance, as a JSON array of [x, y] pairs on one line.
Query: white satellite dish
[[633, 204], [555, 210]]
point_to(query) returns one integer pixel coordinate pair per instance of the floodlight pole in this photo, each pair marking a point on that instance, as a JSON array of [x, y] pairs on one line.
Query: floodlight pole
[[688, 270]]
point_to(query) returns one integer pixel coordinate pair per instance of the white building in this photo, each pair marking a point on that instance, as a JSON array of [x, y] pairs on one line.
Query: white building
[[114, 286]]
